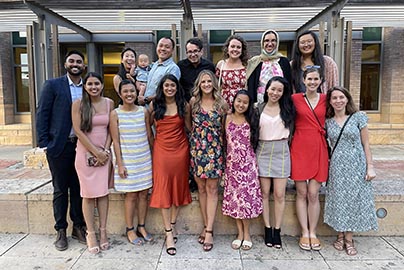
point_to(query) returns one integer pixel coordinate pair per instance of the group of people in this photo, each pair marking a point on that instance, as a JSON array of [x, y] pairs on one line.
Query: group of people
[[252, 123]]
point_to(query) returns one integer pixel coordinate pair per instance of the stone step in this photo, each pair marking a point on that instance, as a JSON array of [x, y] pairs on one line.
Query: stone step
[[26, 207], [386, 134], [15, 134]]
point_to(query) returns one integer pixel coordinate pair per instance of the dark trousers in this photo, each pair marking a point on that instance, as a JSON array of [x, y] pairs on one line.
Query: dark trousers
[[65, 182]]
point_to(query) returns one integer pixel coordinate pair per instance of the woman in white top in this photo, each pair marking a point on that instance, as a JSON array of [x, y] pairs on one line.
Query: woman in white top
[[275, 125]]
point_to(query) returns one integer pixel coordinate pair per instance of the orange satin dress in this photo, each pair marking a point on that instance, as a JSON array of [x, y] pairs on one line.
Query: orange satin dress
[[170, 164]]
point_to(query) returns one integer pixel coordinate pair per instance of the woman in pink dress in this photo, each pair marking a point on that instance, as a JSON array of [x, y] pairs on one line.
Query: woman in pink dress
[[242, 199], [231, 71], [90, 117]]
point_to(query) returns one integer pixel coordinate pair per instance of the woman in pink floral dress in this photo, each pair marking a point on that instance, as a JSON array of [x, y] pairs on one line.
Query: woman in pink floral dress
[[231, 71], [242, 199]]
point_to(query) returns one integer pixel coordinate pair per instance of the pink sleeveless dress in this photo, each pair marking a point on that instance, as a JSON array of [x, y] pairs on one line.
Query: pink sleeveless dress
[[94, 180]]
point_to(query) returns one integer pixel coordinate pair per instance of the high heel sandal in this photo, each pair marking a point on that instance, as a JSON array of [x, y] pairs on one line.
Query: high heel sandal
[[277, 242], [95, 248], [104, 245], [170, 250], [268, 237], [147, 238], [201, 238], [138, 241], [174, 234], [208, 246]]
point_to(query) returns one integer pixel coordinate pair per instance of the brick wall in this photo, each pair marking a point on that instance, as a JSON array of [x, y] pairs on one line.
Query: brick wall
[[392, 91], [6, 80], [147, 48], [356, 62]]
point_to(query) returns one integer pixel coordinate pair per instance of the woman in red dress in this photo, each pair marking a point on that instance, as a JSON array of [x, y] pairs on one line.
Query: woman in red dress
[[171, 114], [309, 156]]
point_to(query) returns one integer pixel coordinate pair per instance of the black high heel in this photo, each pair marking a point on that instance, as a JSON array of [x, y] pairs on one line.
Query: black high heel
[[174, 236], [170, 250], [277, 242], [148, 237], [268, 237]]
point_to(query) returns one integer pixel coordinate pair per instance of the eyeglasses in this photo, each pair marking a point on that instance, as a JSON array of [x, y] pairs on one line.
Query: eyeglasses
[[310, 66], [308, 42], [193, 52]]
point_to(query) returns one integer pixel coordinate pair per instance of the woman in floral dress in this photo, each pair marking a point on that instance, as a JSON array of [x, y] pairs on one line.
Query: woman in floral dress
[[231, 71], [242, 199], [208, 109], [349, 201]]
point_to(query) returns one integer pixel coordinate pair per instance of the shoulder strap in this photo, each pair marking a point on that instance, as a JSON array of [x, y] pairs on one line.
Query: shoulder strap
[[340, 134], [220, 74]]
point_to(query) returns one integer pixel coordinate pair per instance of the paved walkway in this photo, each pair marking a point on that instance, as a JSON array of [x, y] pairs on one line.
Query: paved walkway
[[20, 251]]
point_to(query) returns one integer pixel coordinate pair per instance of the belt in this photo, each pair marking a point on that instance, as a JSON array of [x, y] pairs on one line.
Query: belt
[[72, 139]]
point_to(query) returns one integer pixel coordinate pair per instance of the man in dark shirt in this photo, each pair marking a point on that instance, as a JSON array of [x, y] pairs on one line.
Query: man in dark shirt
[[193, 65]]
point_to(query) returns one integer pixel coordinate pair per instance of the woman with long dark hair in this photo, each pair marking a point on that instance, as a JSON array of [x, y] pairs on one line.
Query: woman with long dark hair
[[171, 116], [242, 194], [126, 68], [308, 53], [90, 117], [276, 121]]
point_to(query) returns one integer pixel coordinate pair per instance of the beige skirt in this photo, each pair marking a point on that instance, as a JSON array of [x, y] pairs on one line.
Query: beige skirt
[[273, 159]]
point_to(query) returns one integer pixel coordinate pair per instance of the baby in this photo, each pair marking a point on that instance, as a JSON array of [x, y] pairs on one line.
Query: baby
[[142, 72]]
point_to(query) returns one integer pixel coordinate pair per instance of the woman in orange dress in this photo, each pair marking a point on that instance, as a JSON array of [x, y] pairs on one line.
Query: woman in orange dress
[[309, 156], [171, 114]]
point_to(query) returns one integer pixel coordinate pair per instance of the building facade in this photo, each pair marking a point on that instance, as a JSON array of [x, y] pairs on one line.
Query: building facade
[[376, 75]]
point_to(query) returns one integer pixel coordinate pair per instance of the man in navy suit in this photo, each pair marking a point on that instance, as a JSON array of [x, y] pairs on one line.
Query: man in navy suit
[[56, 136]]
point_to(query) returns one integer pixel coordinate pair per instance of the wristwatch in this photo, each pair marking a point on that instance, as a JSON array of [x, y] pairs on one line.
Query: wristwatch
[[146, 100]]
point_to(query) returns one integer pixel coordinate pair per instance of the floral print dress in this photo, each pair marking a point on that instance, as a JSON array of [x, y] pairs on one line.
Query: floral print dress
[[242, 197], [231, 82], [206, 144]]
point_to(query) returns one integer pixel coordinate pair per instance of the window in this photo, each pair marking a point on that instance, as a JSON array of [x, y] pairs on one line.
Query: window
[[217, 38], [21, 82], [371, 69], [111, 59]]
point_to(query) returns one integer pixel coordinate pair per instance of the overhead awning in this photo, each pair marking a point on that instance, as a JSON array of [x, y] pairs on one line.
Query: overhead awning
[[137, 16]]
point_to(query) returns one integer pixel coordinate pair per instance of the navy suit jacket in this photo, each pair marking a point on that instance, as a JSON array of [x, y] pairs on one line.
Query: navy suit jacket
[[54, 119]]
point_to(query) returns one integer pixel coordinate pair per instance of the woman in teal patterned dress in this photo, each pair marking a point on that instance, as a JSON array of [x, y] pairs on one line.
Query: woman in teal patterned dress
[[208, 109], [349, 201]]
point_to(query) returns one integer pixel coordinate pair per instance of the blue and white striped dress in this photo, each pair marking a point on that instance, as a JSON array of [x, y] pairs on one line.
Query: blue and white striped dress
[[135, 151]]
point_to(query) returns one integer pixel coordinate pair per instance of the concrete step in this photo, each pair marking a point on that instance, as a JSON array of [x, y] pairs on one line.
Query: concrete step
[[386, 134], [15, 134], [26, 207]]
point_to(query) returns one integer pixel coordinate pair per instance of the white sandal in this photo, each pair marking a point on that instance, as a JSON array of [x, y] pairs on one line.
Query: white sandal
[[247, 245], [236, 244]]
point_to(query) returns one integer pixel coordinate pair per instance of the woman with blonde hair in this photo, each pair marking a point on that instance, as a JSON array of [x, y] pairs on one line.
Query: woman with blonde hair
[[208, 111]]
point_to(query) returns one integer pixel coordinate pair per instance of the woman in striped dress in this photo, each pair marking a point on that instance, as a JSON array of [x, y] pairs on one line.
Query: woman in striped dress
[[132, 140], [275, 124]]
